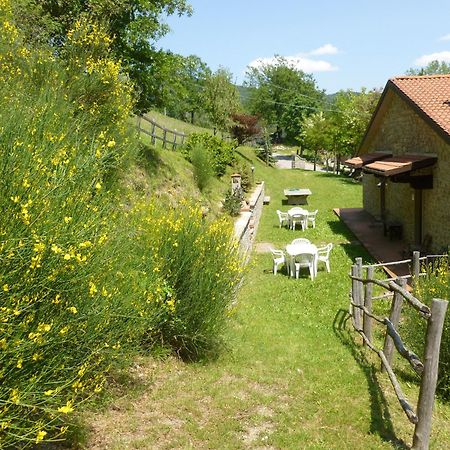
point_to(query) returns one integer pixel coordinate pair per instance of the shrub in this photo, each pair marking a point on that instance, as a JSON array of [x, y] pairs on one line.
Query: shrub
[[232, 202], [221, 153], [246, 176], [198, 268], [202, 166]]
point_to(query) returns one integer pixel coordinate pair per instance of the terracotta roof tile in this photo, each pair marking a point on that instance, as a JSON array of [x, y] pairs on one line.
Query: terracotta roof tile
[[431, 94]]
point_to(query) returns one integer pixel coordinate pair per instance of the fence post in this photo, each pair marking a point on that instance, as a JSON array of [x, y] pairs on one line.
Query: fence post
[[367, 321], [182, 139], [153, 133], [358, 294], [174, 145], [415, 268], [164, 137], [429, 376], [394, 317], [354, 296]]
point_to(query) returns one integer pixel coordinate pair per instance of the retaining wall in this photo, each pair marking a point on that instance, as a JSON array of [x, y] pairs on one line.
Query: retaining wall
[[246, 225]]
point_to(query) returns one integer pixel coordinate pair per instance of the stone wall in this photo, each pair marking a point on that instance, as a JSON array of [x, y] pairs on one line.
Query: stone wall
[[246, 225], [371, 198], [401, 130]]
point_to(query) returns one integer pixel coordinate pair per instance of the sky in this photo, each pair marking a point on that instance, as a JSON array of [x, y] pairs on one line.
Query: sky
[[344, 44]]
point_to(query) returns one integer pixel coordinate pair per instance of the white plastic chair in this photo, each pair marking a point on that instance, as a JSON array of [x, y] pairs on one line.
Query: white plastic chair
[[312, 218], [283, 217], [298, 218], [305, 260], [278, 259], [323, 255], [300, 241]]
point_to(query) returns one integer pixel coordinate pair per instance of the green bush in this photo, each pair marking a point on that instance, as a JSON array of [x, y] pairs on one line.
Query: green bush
[[221, 153], [202, 167], [232, 202], [246, 176]]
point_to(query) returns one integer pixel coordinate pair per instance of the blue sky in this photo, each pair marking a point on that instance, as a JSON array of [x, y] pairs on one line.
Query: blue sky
[[344, 44]]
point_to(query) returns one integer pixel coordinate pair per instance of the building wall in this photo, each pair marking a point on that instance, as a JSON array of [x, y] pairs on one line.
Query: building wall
[[401, 130], [371, 197]]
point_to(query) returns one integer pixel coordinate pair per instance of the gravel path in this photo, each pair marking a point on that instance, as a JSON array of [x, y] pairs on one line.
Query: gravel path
[[285, 162]]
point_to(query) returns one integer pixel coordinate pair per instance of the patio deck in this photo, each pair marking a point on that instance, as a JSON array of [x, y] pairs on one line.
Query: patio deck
[[370, 233]]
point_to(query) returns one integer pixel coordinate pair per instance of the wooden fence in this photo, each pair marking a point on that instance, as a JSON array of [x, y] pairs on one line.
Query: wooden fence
[[363, 319], [158, 132]]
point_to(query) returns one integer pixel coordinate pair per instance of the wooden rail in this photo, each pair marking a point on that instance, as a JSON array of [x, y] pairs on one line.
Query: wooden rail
[[160, 133], [362, 320]]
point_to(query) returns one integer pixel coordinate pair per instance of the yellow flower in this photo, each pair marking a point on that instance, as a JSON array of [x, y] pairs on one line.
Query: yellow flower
[[92, 288], [49, 392], [5, 287], [39, 247], [98, 186], [14, 396], [19, 363], [40, 436], [72, 309], [56, 249], [64, 330], [67, 219], [111, 143], [66, 409]]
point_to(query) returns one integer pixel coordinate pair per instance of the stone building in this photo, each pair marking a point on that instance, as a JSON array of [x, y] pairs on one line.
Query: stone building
[[405, 160]]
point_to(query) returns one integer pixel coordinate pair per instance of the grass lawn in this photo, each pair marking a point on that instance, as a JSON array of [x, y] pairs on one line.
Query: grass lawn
[[291, 376]]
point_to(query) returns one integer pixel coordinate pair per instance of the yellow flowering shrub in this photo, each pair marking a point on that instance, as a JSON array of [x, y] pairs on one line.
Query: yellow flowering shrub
[[197, 268], [61, 244]]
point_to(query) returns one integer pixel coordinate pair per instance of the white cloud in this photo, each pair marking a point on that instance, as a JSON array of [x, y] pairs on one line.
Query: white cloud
[[308, 65], [445, 38], [438, 56], [327, 49], [303, 61]]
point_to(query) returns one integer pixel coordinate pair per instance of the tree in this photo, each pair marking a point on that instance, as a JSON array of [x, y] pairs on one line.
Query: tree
[[283, 95], [134, 26], [316, 135], [432, 68], [349, 115], [221, 99]]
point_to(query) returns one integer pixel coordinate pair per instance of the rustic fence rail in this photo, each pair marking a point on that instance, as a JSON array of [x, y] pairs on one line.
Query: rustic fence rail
[[361, 301], [169, 137]]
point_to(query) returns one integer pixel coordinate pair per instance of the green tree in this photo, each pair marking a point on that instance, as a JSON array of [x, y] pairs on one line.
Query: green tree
[[432, 68], [221, 99], [316, 135], [349, 115], [283, 95], [184, 84], [134, 25]]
